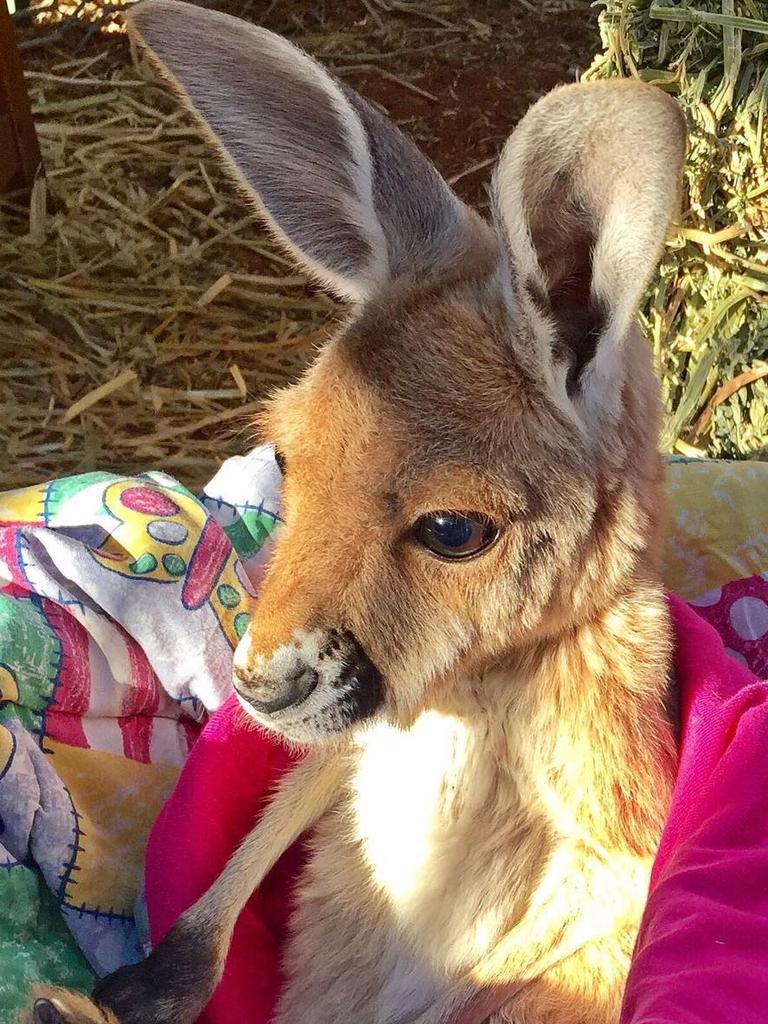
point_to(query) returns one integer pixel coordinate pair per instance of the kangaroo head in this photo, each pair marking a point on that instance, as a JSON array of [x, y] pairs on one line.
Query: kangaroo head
[[470, 467]]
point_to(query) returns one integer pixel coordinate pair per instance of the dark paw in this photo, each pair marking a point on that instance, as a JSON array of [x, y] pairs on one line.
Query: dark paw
[[172, 986]]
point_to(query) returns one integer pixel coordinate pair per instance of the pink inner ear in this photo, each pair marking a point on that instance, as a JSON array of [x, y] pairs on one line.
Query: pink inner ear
[[564, 242]]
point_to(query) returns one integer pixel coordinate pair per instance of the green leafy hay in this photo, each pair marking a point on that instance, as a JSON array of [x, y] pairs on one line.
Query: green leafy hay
[[707, 311]]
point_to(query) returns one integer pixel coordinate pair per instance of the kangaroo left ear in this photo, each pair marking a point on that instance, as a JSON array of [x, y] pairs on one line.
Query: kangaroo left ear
[[585, 190], [340, 187]]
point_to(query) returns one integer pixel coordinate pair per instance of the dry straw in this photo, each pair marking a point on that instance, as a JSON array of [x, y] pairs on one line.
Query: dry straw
[[144, 313], [707, 311]]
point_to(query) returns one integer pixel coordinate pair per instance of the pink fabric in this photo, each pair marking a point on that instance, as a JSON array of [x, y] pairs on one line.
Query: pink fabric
[[702, 952], [219, 796]]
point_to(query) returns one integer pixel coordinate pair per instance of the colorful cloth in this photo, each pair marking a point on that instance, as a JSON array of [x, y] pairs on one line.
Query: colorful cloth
[[121, 600]]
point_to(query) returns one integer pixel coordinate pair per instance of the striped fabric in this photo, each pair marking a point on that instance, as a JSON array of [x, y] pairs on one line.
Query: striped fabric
[[121, 599]]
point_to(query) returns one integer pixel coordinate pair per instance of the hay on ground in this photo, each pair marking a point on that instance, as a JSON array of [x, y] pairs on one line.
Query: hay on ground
[[144, 313]]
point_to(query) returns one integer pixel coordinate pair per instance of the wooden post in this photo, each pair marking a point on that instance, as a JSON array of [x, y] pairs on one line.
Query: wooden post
[[19, 150]]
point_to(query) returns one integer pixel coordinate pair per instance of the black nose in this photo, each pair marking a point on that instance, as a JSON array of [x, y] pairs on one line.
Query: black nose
[[293, 691]]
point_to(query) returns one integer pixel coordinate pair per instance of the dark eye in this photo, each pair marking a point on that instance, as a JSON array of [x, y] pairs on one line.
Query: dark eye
[[280, 460], [455, 534]]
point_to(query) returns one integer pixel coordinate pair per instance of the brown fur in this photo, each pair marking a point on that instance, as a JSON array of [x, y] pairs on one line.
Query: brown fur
[[486, 833]]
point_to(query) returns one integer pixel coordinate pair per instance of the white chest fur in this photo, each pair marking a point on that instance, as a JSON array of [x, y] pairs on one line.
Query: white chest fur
[[425, 801], [404, 789], [448, 838]]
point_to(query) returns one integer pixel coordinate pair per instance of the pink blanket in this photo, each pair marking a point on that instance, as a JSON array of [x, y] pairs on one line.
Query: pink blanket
[[702, 953]]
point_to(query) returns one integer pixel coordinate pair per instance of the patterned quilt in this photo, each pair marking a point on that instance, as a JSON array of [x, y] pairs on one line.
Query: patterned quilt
[[121, 599]]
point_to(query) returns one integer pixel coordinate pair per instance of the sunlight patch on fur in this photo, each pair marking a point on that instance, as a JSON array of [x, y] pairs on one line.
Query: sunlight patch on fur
[[396, 832]]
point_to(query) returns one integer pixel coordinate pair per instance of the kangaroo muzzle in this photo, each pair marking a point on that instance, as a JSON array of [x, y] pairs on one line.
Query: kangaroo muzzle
[[316, 684], [290, 693]]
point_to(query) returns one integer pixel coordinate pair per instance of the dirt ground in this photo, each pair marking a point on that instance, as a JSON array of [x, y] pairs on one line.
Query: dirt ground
[[483, 62], [456, 75]]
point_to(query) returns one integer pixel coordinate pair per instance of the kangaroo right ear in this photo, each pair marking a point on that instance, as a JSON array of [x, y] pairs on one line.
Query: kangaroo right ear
[[585, 190], [339, 185]]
